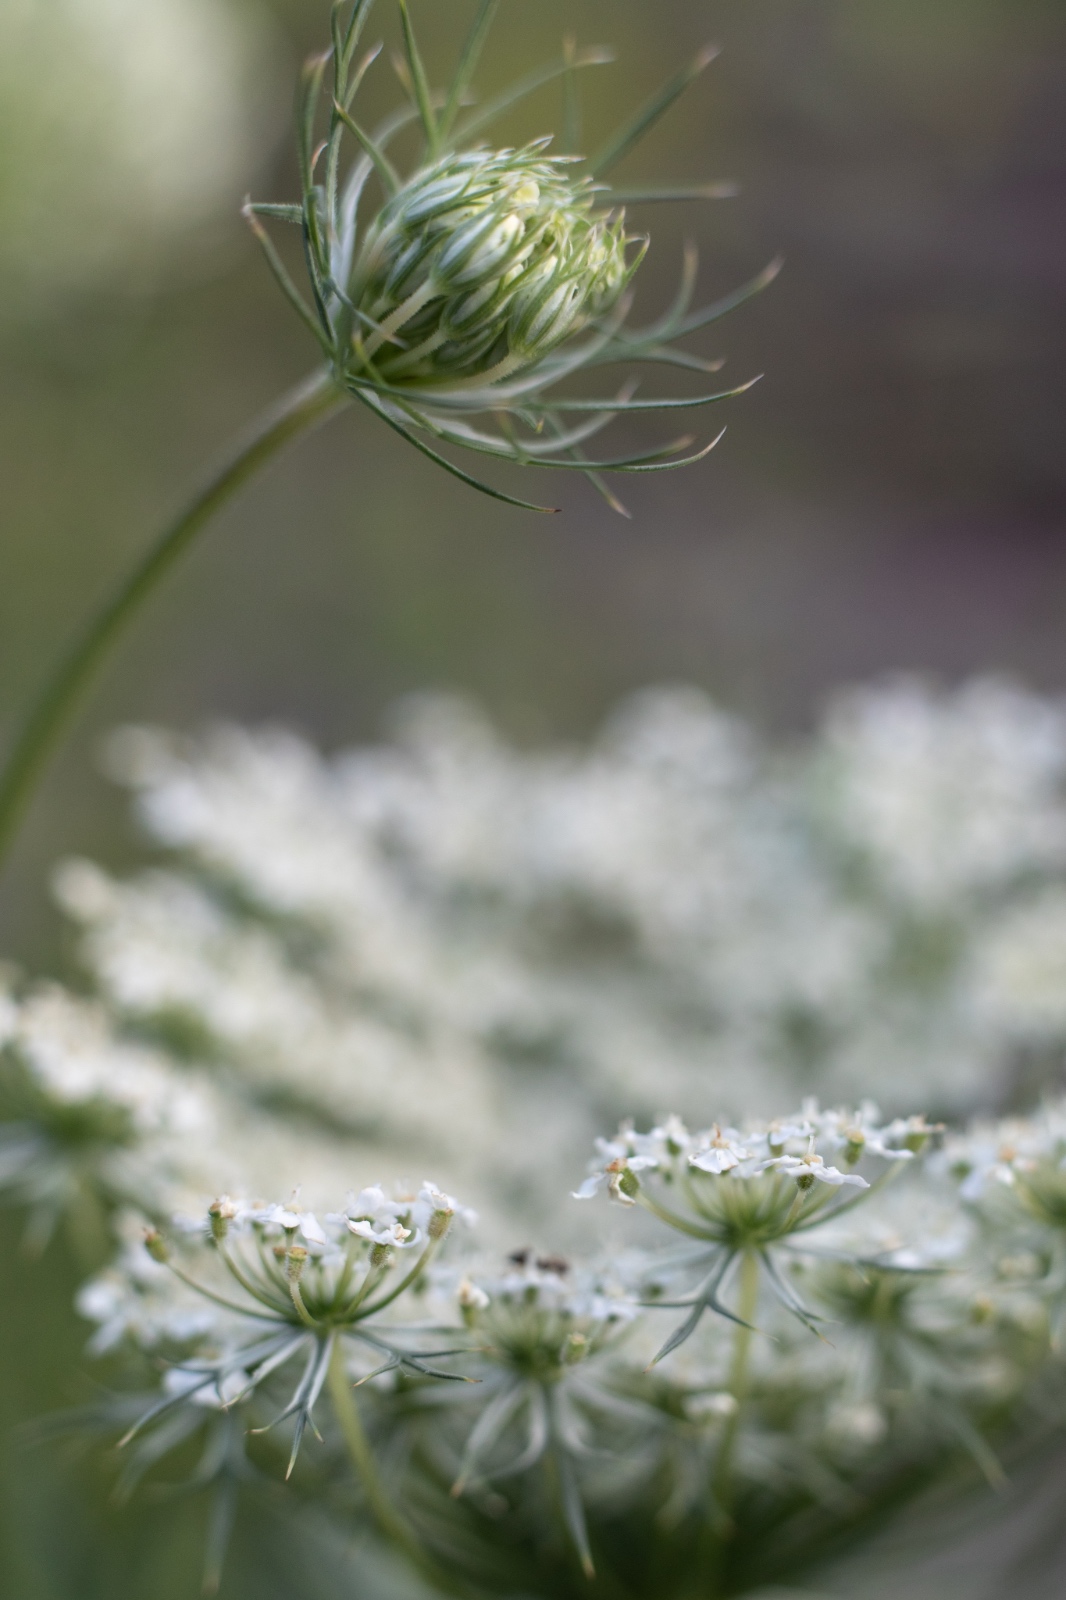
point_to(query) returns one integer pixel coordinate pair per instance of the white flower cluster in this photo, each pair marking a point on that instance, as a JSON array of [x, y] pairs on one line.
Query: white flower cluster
[[137, 1301], [83, 1102], [370, 1215], [76, 1060], [787, 1146], [445, 950], [1009, 1152], [580, 1293], [944, 1318]]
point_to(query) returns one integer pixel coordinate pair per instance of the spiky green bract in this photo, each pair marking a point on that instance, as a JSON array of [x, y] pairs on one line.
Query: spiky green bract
[[486, 276]]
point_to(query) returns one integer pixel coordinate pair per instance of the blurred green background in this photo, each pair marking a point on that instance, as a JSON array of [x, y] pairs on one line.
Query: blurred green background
[[893, 494]]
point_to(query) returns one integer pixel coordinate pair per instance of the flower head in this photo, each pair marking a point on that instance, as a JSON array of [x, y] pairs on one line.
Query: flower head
[[719, 1152], [811, 1168], [740, 1193], [621, 1158], [486, 276], [484, 261]]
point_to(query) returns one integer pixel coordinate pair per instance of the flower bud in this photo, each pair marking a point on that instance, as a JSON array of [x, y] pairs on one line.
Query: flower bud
[[156, 1246], [295, 1261], [854, 1146], [624, 1186], [472, 1300], [220, 1214], [575, 1349], [439, 1223], [479, 266]]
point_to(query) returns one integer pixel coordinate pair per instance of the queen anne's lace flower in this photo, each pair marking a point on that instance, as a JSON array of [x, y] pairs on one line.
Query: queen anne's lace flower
[[959, 1303], [810, 1168], [671, 914], [720, 1151]]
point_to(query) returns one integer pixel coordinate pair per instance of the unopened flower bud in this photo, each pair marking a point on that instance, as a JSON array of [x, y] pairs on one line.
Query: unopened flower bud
[[854, 1146], [479, 266], [472, 1299], [916, 1133], [624, 1186], [220, 1214], [471, 287], [156, 1245], [439, 1223], [575, 1349]]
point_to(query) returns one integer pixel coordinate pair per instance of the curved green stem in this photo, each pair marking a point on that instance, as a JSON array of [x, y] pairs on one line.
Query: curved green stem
[[671, 1218], [309, 403], [388, 1520], [405, 1282]]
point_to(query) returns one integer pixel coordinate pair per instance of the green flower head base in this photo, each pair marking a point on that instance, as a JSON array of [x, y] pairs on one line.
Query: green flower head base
[[486, 276]]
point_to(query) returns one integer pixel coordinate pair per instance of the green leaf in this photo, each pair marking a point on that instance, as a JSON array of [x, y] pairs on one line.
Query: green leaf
[[599, 483], [221, 1519], [487, 1429], [442, 461], [285, 283], [418, 81], [310, 88], [658, 355], [382, 165], [788, 1299], [360, 73], [707, 1299], [670, 466], [280, 213], [571, 141], [574, 1511], [630, 133], [719, 308], [670, 403], [525, 454], [346, 93], [468, 59], [344, 43]]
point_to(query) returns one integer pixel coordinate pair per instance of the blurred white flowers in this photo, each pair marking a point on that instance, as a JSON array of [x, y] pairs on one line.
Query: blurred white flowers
[[125, 126], [445, 954], [443, 948]]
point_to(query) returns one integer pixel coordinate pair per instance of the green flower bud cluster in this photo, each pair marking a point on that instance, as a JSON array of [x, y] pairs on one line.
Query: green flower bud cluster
[[482, 264], [454, 298]]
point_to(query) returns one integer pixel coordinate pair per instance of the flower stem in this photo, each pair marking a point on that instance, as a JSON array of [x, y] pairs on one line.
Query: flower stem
[[308, 403], [404, 1283], [389, 1522], [738, 1379]]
